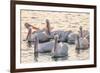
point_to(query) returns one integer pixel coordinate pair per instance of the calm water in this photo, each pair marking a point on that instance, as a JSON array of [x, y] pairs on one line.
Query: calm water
[[58, 21]]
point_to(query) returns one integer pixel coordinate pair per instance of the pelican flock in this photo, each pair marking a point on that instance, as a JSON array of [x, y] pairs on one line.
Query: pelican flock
[[56, 42]]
